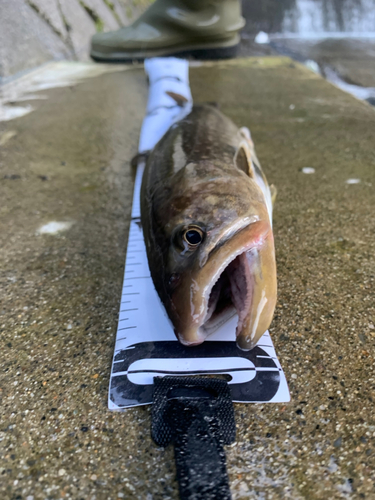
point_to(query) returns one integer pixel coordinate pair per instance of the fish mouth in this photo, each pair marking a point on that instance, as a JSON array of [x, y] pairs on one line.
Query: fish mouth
[[232, 293], [220, 308], [244, 284]]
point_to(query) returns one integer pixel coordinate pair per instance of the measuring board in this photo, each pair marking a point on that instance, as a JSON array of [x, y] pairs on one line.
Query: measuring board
[[146, 345]]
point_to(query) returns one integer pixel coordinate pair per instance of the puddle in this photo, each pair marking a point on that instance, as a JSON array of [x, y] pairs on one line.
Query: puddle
[[48, 76], [9, 112], [362, 93]]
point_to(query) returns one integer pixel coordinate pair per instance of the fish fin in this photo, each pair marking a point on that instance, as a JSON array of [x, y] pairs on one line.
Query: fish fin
[[242, 159], [273, 193], [246, 134]]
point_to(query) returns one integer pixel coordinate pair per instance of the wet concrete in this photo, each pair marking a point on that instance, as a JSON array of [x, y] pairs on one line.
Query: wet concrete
[[352, 59], [339, 36], [68, 162]]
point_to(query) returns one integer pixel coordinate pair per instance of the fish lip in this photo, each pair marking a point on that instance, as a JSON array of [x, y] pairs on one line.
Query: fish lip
[[190, 344], [226, 237], [251, 245]]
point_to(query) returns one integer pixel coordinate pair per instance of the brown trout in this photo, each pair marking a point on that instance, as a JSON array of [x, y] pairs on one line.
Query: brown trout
[[206, 214]]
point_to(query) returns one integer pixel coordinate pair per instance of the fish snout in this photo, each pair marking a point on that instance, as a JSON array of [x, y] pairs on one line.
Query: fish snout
[[190, 339]]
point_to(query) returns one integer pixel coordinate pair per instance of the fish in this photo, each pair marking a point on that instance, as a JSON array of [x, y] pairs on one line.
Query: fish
[[206, 214]]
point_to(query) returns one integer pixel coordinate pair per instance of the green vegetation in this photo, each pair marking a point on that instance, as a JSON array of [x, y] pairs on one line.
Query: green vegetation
[[99, 23], [111, 6]]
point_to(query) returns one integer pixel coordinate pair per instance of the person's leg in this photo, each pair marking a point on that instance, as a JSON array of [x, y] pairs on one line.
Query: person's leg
[[200, 28]]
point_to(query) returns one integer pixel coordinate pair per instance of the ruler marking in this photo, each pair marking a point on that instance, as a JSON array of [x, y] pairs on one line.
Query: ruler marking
[[137, 277]]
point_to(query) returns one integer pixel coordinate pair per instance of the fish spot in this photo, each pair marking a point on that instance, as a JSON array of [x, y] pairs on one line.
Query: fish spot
[[308, 170], [190, 168], [179, 157], [212, 199], [54, 227]]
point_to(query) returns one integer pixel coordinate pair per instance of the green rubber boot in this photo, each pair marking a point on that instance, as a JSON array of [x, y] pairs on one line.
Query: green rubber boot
[[205, 29]]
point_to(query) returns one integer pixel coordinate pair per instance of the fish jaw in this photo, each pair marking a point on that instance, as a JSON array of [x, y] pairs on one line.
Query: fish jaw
[[254, 291], [249, 255]]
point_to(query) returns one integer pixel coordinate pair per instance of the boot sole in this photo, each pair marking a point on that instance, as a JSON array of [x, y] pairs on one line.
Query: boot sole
[[203, 52]]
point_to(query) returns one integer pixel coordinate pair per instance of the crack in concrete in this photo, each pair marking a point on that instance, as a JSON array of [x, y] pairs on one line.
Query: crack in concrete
[[111, 7], [68, 30], [45, 18], [97, 20]]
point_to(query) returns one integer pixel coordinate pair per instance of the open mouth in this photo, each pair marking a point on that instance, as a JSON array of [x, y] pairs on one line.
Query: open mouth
[[231, 294]]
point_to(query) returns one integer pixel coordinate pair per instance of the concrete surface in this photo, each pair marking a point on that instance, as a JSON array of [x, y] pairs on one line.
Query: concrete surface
[[50, 11], [81, 27], [33, 32], [352, 59], [26, 40], [68, 162]]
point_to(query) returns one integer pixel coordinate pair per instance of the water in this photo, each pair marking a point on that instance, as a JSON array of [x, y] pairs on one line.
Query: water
[[311, 18]]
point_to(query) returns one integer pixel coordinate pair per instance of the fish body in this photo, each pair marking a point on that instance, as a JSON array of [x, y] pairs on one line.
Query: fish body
[[206, 214]]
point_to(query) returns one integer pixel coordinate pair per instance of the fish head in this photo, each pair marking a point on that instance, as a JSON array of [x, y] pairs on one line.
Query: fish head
[[220, 259]]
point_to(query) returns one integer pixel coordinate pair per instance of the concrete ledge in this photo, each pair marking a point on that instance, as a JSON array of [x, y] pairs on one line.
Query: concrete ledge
[[33, 32], [67, 162]]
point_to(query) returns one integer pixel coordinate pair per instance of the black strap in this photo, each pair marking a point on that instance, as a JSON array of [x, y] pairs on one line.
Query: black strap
[[196, 415]]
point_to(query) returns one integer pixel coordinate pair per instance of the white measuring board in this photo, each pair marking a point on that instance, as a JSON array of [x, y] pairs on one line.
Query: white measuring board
[[146, 345]]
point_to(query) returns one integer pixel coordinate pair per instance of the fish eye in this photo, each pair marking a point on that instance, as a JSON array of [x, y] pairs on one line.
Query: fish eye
[[193, 236]]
